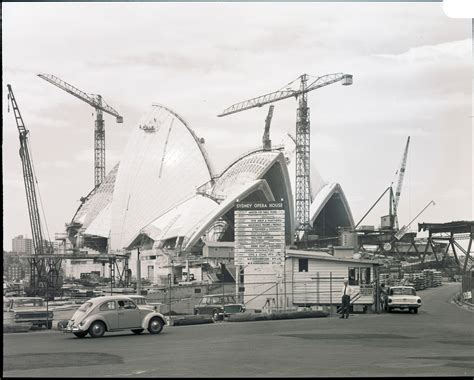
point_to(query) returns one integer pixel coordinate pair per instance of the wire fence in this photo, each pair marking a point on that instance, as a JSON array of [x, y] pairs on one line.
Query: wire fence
[[281, 294]]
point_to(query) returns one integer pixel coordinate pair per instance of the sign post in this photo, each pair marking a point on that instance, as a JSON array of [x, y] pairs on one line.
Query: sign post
[[260, 245]]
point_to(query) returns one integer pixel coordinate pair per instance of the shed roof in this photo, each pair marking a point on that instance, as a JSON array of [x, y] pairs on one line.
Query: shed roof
[[320, 255]]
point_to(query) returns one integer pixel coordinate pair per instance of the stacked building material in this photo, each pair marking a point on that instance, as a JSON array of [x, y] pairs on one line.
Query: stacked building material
[[428, 277], [437, 278], [417, 279]]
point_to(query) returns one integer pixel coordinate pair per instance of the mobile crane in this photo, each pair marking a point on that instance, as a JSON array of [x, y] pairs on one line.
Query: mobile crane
[[44, 269]]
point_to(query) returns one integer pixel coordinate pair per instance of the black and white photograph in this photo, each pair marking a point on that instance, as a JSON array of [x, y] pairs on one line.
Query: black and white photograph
[[237, 189]]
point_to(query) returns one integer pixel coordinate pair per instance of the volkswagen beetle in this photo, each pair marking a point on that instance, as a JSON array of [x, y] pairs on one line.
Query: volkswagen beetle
[[113, 313]]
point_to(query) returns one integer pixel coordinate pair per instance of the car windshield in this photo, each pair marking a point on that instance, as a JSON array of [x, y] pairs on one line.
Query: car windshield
[[28, 302], [402, 292], [85, 306]]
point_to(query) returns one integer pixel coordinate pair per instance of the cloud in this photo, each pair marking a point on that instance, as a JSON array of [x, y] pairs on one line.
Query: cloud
[[13, 183], [56, 164], [455, 50]]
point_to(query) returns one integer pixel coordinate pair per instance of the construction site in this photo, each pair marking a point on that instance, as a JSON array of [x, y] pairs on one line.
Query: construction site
[[137, 232]]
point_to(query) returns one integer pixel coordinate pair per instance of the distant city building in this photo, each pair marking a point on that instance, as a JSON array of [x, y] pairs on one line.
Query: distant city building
[[22, 245], [15, 273]]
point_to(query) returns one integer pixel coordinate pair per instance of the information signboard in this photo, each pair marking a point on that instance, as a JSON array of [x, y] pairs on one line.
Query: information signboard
[[259, 233]]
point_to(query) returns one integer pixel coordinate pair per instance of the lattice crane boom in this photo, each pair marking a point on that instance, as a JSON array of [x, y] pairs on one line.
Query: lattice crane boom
[[95, 101], [43, 272], [395, 198], [100, 106], [303, 192], [272, 97], [401, 174]]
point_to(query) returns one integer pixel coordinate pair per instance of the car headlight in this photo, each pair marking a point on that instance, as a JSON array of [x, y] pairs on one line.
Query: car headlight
[[389, 300], [81, 323], [418, 300]]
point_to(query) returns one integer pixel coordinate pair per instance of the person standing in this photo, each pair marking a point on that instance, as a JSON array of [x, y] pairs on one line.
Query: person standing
[[346, 293], [383, 297]]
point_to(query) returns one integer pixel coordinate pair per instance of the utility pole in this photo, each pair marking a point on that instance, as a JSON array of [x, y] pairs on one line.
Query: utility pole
[[139, 273]]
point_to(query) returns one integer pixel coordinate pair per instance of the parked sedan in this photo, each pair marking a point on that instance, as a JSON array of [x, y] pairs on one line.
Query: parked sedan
[[28, 310], [113, 313], [219, 306], [402, 297], [142, 303]]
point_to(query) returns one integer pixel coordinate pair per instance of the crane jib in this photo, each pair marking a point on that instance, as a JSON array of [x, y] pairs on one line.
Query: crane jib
[[280, 95]]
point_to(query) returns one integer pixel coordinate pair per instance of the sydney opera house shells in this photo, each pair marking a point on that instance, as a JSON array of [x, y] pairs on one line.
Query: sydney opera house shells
[[164, 191]]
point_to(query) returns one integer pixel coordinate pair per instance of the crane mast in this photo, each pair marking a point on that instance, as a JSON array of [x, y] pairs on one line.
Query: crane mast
[[100, 106], [40, 265], [303, 195], [267, 143]]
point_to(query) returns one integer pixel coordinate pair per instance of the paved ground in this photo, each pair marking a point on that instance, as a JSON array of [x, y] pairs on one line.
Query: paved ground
[[438, 341]]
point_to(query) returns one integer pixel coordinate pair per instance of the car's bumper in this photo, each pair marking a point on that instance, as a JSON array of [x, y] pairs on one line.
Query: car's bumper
[[73, 329], [404, 306]]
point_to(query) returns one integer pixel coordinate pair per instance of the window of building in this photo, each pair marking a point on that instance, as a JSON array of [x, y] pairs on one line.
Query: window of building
[[302, 265], [359, 276]]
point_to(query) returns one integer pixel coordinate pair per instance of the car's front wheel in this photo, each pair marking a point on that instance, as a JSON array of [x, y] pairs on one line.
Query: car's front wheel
[[415, 310], [80, 334], [97, 329], [137, 331], [155, 325]]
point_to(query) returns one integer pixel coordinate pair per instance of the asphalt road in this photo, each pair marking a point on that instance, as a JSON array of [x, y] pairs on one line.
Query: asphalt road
[[438, 341]]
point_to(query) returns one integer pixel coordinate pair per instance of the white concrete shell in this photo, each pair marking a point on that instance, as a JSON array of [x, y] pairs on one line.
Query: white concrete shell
[[163, 163], [259, 164], [331, 201], [255, 190]]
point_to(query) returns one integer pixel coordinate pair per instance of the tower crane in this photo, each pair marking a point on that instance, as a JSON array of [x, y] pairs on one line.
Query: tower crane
[[100, 106], [44, 270], [302, 199], [267, 143], [401, 175]]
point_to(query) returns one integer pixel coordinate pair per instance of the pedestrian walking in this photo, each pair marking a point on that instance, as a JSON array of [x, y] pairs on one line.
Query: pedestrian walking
[[346, 293]]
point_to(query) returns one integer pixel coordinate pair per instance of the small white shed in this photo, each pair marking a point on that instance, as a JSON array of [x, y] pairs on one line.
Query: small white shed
[[317, 278]]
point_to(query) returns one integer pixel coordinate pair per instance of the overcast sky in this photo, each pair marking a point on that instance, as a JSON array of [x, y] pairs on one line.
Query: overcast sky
[[412, 76]]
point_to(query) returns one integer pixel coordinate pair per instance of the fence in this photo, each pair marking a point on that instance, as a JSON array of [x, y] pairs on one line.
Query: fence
[[259, 295], [467, 286]]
